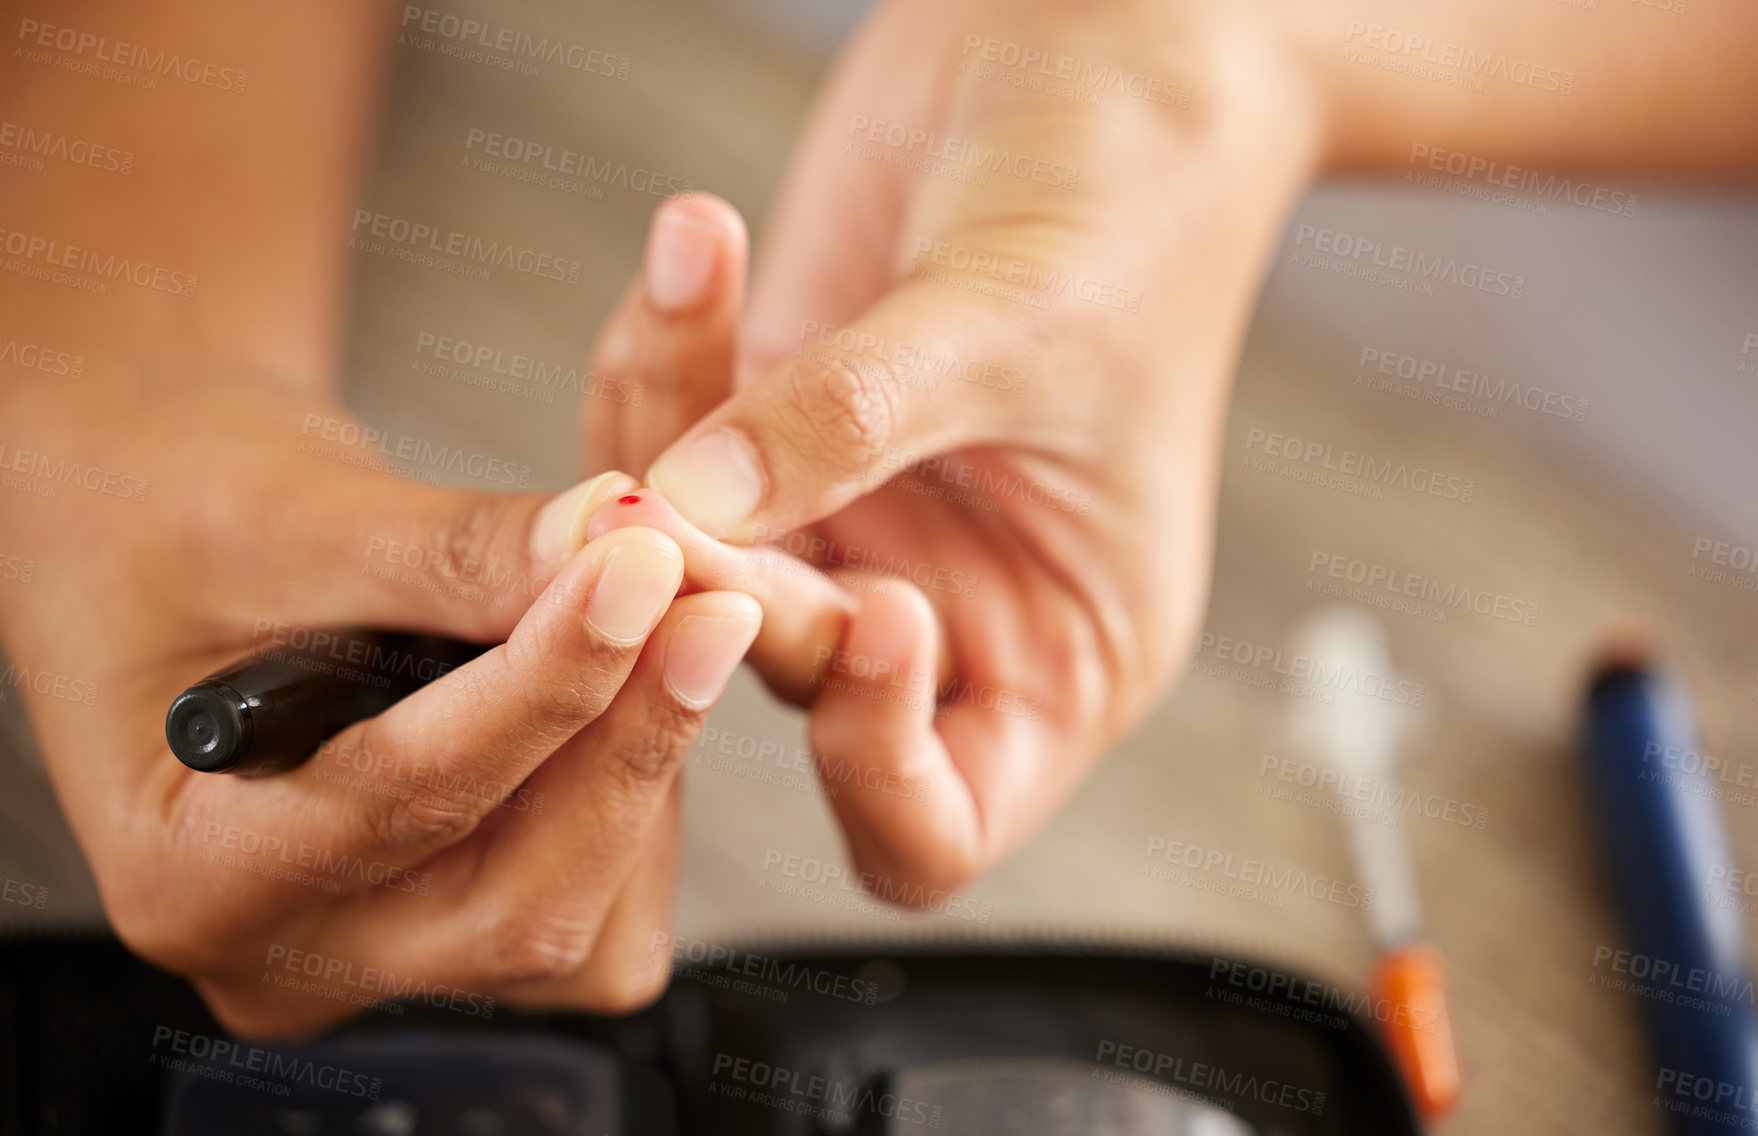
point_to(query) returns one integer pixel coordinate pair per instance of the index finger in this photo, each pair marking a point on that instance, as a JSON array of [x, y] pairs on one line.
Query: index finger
[[398, 788], [805, 613]]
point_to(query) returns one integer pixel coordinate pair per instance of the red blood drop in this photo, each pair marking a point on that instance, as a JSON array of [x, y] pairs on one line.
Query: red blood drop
[[631, 499]]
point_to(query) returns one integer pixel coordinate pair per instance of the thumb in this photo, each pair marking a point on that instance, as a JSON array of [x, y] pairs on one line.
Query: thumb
[[849, 409], [417, 557]]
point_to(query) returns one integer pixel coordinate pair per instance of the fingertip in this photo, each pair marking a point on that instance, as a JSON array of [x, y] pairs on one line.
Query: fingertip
[[692, 243], [706, 644], [735, 606], [635, 534], [715, 212], [636, 574], [635, 507], [560, 528], [895, 626]]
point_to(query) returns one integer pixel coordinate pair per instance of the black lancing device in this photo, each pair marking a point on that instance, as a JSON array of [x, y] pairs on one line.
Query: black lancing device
[[272, 710]]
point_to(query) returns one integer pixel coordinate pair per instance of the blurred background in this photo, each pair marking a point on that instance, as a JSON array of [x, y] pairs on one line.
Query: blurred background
[[1641, 324]]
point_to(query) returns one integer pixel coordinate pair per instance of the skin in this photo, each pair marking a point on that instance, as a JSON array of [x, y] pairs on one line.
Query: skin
[[999, 698], [1087, 604], [509, 831], [199, 554]]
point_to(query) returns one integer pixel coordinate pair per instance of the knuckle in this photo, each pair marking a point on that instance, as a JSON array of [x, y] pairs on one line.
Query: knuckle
[[422, 815], [537, 946], [474, 532], [425, 818], [657, 751], [846, 409], [559, 701], [559, 708], [626, 991]]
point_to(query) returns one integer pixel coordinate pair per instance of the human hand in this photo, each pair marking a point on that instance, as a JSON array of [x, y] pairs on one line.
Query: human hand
[[1009, 395], [508, 832]]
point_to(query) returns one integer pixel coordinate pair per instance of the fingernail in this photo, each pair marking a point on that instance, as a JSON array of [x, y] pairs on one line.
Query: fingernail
[[635, 587], [703, 653], [560, 530], [714, 481], [680, 259]]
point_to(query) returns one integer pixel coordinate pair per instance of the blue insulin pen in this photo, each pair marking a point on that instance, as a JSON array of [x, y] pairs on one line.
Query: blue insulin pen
[[1666, 854]]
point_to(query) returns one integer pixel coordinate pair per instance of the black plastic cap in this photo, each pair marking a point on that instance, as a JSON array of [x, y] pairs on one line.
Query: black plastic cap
[[208, 727]]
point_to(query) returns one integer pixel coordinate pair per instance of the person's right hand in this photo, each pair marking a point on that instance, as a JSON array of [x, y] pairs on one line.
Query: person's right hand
[[508, 832]]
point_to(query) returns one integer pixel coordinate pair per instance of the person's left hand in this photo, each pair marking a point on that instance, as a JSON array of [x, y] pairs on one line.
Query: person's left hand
[[1038, 477]]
